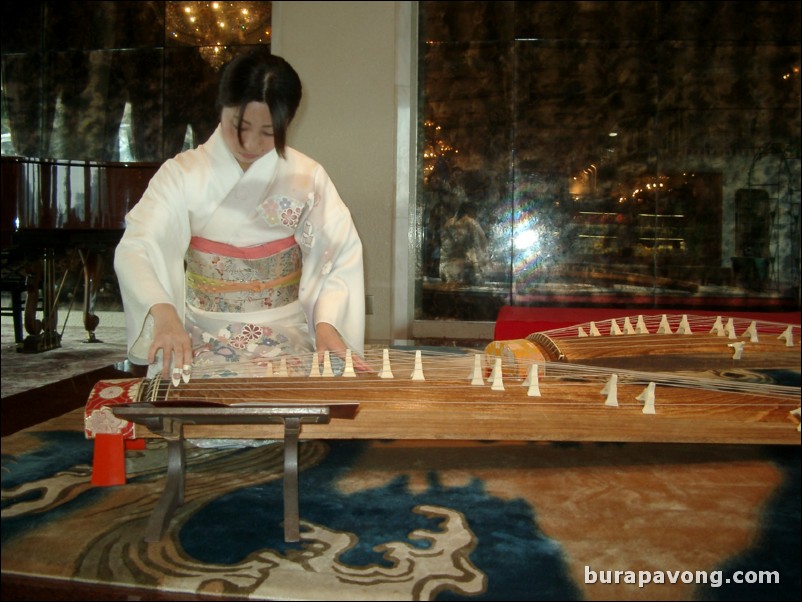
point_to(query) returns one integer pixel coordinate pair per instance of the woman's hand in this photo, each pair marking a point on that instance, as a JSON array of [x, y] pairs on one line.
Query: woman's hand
[[172, 339], [328, 339]]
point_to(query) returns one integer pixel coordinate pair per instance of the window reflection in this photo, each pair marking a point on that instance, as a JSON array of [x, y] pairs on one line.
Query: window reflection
[[119, 81], [610, 149]]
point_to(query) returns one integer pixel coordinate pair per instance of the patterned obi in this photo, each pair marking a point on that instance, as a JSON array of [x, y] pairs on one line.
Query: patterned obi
[[224, 278]]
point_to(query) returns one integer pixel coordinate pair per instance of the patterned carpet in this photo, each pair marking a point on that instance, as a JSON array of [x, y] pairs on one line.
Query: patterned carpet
[[395, 520]]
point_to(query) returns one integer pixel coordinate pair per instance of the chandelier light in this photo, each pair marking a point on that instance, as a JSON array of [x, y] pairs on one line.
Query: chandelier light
[[216, 26]]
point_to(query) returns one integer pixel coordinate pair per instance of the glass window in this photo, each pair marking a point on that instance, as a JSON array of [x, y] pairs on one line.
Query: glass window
[[618, 154], [145, 70]]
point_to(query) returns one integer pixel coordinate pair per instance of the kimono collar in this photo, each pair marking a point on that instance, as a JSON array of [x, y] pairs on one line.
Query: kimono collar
[[263, 168]]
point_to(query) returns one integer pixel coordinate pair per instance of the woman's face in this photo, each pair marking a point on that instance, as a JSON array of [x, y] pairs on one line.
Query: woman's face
[[257, 132]]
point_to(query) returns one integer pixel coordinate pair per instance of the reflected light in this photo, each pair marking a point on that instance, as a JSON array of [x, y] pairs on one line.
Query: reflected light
[[531, 249], [435, 147], [526, 240]]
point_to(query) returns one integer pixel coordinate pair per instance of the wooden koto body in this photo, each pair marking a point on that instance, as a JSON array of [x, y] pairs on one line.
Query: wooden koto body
[[643, 387]]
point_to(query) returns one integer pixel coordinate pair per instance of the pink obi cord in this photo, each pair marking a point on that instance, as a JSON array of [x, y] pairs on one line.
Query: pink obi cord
[[267, 249]]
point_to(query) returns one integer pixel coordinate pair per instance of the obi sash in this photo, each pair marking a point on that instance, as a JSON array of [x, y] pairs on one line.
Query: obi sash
[[225, 278]]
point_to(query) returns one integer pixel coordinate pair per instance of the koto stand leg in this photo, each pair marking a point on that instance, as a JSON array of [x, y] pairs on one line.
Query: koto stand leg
[[292, 529], [168, 422], [173, 495]]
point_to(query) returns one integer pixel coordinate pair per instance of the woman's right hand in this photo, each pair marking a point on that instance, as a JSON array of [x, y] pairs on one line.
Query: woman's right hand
[[172, 339]]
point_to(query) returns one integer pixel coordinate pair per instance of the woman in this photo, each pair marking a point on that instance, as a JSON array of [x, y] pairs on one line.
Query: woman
[[241, 250]]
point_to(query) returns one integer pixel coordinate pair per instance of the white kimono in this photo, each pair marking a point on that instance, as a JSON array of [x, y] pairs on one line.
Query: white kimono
[[205, 193]]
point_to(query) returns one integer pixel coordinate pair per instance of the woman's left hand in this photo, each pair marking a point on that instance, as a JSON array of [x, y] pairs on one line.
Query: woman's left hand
[[328, 339]]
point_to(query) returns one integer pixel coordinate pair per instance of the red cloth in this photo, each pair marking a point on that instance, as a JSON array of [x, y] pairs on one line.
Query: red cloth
[[108, 465]]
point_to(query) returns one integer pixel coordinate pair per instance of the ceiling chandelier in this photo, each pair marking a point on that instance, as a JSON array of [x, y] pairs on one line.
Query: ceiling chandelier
[[215, 26]]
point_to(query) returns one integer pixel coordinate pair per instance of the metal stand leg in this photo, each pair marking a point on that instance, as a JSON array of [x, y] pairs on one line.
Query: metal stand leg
[[292, 528], [173, 495], [168, 422]]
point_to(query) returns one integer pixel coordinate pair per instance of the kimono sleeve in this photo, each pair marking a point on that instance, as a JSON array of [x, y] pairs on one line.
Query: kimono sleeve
[[149, 260], [332, 283]]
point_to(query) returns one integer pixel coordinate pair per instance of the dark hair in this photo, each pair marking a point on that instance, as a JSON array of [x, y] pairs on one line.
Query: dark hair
[[261, 77]]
